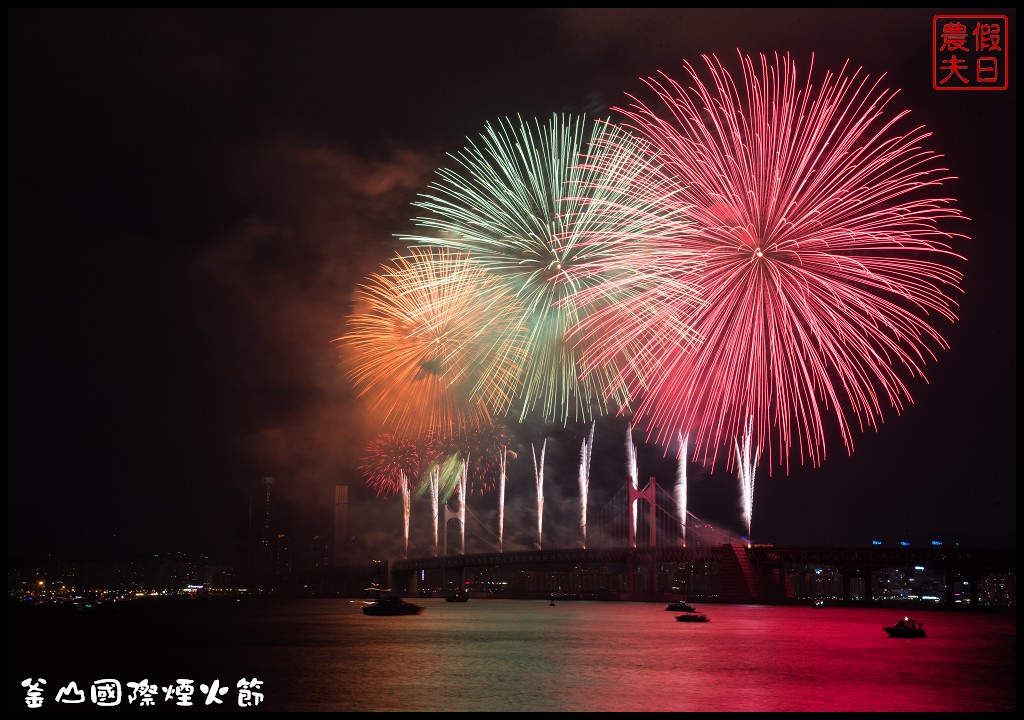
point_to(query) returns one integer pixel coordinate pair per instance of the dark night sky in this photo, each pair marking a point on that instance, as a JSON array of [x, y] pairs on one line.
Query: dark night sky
[[193, 194]]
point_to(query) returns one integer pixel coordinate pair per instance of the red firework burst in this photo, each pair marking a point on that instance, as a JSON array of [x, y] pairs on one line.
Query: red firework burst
[[389, 457], [823, 259]]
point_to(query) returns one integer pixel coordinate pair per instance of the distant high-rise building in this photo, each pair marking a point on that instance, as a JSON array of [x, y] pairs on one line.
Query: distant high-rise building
[[999, 589], [266, 531], [318, 553], [259, 555], [282, 555], [858, 588], [267, 535], [340, 525]]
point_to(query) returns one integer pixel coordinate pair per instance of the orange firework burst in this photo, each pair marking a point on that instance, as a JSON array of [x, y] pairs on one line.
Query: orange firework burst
[[434, 345]]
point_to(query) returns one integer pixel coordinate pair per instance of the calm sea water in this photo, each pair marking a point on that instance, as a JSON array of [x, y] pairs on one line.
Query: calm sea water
[[525, 655]]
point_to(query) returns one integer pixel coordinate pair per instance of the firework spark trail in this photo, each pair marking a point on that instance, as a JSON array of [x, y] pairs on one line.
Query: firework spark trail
[[631, 469], [434, 345], [640, 290], [538, 471], [681, 490], [746, 468], [501, 499], [519, 201], [434, 483], [462, 506], [586, 451], [824, 257], [406, 508]]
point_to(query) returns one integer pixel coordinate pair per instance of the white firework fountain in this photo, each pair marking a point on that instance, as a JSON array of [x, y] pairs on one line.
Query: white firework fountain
[[681, 487], [634, 480], [502, 460], [746, 468], [406, 506], [586, 451], [538, 471], [462, 506], [435, 487]]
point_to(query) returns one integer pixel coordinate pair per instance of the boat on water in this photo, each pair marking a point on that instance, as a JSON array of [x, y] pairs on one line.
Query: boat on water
[[457, 597], [905, 628], [694, 617], [680, 606], [380, 601], [390, 605]]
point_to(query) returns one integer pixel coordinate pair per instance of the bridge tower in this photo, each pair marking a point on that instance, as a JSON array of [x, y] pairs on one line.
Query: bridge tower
[[649, 494], [459, 515]]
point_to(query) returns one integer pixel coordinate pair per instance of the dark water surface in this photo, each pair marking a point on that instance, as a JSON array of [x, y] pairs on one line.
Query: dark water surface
[[524, 655]]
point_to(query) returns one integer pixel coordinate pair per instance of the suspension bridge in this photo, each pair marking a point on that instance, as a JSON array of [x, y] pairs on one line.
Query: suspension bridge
[[636, 546]]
